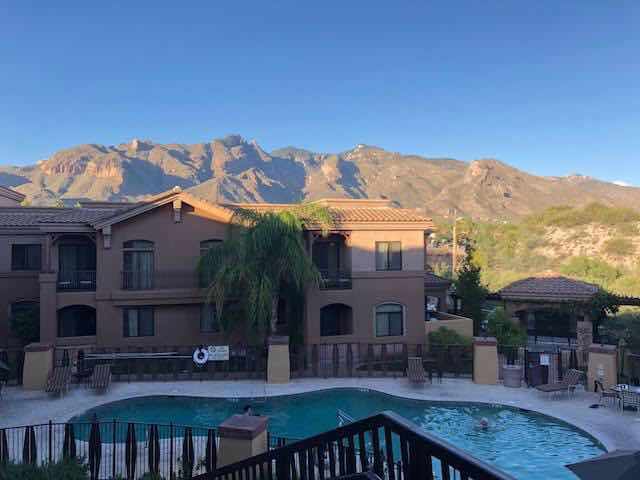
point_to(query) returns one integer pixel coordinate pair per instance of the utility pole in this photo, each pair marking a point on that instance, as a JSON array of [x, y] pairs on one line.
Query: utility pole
[[454, 250]]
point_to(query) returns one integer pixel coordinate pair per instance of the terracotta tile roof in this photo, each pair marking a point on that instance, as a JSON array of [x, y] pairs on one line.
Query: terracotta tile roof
[[11, 194], [549, 288], [26, 216], [431, 280], [349, 211], [83, 215]]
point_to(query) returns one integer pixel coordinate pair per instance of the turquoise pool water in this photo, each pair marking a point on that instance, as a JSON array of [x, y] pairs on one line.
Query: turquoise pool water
[[526, 444]]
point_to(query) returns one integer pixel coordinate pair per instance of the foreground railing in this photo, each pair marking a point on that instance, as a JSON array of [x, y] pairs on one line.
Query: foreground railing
[[386, 444], [115, 449]]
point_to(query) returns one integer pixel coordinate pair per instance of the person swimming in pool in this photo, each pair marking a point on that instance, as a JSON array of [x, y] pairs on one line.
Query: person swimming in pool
[[483, 424], [248, 410]]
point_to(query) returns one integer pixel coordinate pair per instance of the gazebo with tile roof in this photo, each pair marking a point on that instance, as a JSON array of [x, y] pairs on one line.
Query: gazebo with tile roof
[[554, 309]]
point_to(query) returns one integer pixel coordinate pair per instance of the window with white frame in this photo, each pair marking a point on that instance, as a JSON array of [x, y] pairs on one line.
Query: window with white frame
[[389, 320]]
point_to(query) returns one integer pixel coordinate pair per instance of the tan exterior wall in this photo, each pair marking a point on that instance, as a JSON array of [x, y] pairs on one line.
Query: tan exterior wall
[[14, 286], [363, 243], [462, 325], [370, 290], [177, 307]]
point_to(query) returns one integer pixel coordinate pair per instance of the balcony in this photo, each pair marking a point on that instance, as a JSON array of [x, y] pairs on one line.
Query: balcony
[[77, 280], [161, 279], [335, 279]]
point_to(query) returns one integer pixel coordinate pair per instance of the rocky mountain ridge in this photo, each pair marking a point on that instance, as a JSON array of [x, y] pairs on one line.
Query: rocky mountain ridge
[[233, 169]]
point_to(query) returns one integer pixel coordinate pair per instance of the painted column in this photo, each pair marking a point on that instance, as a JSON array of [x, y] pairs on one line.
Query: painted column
[[241, 437], [485, 360], [48, 307]]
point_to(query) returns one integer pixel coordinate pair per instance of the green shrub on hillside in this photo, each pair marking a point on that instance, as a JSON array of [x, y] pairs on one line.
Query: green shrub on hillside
[[591, 270], [592, 213], [619, 246]]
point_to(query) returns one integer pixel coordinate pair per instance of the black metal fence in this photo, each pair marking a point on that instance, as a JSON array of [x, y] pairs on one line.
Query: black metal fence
[[77, 280], [542, 365], [14, 359], [118, 449], [385, 444], [378, 359], [166, 363]]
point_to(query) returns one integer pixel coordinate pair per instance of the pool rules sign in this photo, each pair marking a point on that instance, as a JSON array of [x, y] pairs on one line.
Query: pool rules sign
[[218, 353]]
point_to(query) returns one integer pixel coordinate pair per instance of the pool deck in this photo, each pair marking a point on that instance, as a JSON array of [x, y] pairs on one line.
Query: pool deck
[[615, 429]]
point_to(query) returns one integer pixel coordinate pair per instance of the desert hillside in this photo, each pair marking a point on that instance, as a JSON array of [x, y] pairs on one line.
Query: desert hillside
[[234, 169]]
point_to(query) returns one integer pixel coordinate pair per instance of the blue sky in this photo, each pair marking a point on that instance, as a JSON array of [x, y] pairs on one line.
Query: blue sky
[[551, 87]]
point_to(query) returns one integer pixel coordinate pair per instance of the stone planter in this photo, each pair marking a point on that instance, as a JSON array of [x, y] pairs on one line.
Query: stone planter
[[512, 376]]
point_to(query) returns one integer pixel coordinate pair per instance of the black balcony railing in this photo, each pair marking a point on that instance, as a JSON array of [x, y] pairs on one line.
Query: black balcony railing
[[386, 444], [161, 279], [77, 280], [335, 279]]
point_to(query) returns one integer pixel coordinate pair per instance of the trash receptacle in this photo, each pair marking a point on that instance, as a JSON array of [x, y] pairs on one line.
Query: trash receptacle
[[512, 376]]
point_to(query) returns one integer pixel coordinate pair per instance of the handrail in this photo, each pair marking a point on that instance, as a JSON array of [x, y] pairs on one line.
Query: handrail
[[417, 446]]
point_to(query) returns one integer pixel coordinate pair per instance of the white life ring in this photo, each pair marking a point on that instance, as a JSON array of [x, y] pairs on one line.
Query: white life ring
[[200, 356]]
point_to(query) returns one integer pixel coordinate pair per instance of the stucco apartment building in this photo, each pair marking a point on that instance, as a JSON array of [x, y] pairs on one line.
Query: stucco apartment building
[[118, 275]]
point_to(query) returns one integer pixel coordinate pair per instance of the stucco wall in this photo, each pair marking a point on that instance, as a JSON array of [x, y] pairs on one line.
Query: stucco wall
[[14, 286], [370, 290], [363, 243]]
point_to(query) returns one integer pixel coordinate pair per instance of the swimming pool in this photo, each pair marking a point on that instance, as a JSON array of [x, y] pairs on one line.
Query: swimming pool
[[526, 444]]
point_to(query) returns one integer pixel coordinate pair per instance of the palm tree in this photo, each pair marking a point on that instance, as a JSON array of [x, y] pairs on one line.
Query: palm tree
[[264, 253]]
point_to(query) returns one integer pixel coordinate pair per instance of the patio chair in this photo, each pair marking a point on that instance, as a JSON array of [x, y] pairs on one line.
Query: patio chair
[[415, 370], [567, 384], [59, 380], [101, 377], [629, 398], [606, 393]]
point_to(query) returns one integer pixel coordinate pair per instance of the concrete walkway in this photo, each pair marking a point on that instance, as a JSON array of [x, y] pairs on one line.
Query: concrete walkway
[[613, 428]]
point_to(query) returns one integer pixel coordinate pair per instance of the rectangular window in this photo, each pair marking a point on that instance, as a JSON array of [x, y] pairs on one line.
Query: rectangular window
[[26, 257], [388, 256], [389, 321], [138, 322], [209, 319]]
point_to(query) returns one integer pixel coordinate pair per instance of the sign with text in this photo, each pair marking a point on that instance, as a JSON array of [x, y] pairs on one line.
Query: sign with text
[[218, 353], [544, 359]]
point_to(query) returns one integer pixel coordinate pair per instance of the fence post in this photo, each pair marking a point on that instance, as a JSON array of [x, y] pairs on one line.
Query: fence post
[[50, 441], [171, 451], [113, 449]]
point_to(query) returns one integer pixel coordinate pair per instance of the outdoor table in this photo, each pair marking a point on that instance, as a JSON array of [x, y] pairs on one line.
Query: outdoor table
[[630, 388]]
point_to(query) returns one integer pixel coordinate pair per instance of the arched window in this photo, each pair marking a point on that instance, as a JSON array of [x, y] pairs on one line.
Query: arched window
[[77, 321], [137, 264], [336, 319], [389, 320]]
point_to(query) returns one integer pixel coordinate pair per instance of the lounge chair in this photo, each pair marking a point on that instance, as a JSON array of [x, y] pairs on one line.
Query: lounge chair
[[59, 380], [101, 377], [606, 393], [631, 399], [567, 384], [415, 370]]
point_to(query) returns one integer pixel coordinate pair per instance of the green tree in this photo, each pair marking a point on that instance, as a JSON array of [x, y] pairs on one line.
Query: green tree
[[506, 332], [470, 289], [262, 260], [25, 325]]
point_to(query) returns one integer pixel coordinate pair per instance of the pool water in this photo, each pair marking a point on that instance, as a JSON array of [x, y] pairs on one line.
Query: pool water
[[526, 444]]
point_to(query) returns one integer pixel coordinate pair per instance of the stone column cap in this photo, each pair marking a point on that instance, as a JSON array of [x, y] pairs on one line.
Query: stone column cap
[[608, 349], [278, 340], [489, 341], [245, 427], [38, 347]]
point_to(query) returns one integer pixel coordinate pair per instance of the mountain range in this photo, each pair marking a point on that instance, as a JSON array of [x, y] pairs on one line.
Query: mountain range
[[233, 169]]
